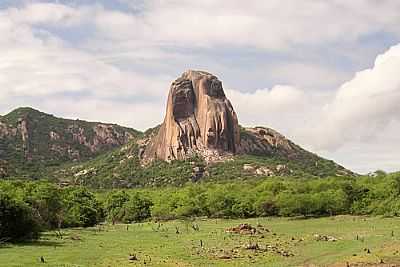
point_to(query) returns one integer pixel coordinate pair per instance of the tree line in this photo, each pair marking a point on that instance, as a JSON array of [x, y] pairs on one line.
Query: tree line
[[27, 208]]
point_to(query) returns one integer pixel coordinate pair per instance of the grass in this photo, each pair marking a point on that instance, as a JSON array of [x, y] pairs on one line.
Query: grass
[[158, 244]]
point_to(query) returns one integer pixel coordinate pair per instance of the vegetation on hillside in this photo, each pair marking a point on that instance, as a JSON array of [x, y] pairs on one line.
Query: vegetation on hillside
[[49, 142], [65, 152], [122, 168]]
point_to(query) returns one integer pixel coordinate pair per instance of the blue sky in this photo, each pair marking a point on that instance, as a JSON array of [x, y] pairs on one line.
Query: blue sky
[[306, 68]]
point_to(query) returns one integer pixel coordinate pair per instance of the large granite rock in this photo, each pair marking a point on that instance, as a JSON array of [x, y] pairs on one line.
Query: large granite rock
[[199, 120]]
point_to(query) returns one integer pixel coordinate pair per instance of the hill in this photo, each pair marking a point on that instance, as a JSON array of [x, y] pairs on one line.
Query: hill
[[31, 140]]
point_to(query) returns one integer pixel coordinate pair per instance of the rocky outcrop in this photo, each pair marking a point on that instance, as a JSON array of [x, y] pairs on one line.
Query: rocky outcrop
[[107, 135], [3, 168], [266, 141], [41, 138], [277, 170], [7, 130], [104, 136], [199, 120], [23, 130]]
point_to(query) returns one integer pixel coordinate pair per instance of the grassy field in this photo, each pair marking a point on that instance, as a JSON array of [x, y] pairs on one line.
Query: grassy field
[[277, 242]]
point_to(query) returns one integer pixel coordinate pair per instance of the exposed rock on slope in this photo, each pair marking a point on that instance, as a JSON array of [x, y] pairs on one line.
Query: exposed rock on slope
[[199, 120], [264, 141], [27, 135]]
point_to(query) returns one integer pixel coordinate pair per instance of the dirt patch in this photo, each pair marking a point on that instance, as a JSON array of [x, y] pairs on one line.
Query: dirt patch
[[327, 238], [367, 265], [244, 229]]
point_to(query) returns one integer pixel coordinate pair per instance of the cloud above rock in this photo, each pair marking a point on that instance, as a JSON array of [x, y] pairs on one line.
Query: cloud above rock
[[363, 112], [364, 106]]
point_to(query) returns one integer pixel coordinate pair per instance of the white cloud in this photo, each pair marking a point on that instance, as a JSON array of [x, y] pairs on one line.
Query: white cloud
[[274, 25], [365, 105], [115, 71], [266, 106], [270, 24], [358, 124], [45, 13], [140, 115], [39, 69], [306, 75]]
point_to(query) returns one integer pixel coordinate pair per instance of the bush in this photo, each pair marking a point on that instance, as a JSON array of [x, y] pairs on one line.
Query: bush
[[82, 208], [164, 207], [121, 207], [137, 209], [220, 203], [16, 221], [114, 206], [46, 201], [266, 206]]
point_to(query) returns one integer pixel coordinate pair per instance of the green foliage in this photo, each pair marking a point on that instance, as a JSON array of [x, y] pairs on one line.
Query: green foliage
[[281, 197], [114, 206], [121, 168], [82, 208], [122, 207], [34, 158], [16, 220], [137, 209], [44, 206], [46, 202], [52, 207]]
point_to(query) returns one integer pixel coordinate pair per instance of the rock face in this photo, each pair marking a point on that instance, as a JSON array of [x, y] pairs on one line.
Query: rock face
[[265, 141], [199, 120], [3, 168]]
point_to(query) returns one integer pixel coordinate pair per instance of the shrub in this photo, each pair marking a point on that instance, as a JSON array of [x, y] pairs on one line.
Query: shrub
[[16, 221], [82, 208], [220, 202], [137, 209], [46, 202], [114, 206]]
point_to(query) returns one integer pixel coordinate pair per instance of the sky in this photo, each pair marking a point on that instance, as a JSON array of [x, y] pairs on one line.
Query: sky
[[326, 74]]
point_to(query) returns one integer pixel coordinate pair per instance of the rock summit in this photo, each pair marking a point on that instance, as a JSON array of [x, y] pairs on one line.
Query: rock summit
[[199, 120]]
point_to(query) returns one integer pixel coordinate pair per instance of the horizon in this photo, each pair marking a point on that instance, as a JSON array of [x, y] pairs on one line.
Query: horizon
[[333, 90]]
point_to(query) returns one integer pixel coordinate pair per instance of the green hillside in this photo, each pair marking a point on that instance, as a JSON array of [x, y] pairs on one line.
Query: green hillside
[[31, 141]]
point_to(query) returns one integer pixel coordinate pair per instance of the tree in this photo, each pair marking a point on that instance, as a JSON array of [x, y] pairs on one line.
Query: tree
[[16, 221], [82, 208], [220, 202], [46, 202], [137, 209], [114, 206]]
